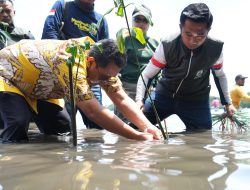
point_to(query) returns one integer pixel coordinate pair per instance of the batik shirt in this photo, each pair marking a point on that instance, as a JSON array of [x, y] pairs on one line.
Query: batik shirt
[[38, 70]]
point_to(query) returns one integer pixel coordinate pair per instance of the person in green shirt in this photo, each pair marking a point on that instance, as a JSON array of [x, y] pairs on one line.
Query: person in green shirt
[[139, 50]]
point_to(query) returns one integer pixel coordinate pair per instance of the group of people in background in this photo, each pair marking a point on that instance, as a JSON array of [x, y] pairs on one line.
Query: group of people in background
[[34, 79]]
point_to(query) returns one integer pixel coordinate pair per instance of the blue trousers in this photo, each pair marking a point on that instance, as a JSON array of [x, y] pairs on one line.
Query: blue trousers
[[98, 95], [16, 115], [195, 115]]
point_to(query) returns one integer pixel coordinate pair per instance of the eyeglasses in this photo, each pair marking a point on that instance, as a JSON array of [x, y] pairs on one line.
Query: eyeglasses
[[101, 82], [140, 20], [7, 11], [103, 79], [196, 36]]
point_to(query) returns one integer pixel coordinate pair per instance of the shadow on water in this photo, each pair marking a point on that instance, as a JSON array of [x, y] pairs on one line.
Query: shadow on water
[[101, 160]]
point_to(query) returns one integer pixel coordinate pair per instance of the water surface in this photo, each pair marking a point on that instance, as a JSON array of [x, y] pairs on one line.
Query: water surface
[[103, 161]]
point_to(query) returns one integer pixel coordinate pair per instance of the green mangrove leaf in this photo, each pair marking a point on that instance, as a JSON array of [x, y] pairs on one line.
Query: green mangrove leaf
[[99, 46], [74, 51], [139, 35], [118, 2], [87, 45], [120, 39], [69, 48], [83, 47], [120, 10], [123, 33], [93, 28], [100, 22], [109, 11], [128, 5]]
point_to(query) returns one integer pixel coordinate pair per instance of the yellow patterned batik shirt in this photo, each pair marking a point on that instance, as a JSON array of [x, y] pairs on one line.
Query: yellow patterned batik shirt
[[38, 70]]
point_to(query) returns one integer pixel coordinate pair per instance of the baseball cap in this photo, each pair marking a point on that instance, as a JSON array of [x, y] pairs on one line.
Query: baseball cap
[[240, 76], [144, 11]]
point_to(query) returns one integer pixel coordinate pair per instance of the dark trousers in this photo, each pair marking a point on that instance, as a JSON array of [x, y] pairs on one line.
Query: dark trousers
[[1, 122], [195, 115], [88, 123], [16, 115]]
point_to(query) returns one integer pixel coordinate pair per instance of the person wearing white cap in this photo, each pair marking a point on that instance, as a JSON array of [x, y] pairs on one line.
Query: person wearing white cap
[[237, 93], [138, 50]]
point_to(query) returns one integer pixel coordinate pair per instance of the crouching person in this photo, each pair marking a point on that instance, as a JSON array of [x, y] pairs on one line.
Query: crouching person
[[34, 80]]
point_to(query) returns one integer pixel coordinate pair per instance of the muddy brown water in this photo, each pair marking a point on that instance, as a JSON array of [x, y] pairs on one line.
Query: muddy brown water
[[103, 161]]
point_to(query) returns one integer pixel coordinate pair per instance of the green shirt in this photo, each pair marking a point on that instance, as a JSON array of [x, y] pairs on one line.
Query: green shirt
[[131, 72]]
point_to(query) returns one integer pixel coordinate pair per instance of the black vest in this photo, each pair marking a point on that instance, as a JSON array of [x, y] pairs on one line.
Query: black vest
[[181, 81]]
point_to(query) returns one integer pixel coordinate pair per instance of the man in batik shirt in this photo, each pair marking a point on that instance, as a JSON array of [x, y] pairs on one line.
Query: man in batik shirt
[[34, 79]]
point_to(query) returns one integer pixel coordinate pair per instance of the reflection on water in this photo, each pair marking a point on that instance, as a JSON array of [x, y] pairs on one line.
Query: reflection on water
[[210, 160]]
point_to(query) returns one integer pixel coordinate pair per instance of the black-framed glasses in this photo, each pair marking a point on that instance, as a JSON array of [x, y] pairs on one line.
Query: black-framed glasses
[[197, 36], [140, 20], [103, 79]]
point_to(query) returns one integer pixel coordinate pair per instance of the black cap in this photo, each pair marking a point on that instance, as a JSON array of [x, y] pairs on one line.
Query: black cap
[[239, 77]]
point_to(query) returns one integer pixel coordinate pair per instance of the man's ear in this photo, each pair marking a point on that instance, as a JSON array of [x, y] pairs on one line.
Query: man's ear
[[91, 61]]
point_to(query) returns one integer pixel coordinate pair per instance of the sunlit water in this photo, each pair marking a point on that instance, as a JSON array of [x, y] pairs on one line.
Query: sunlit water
[[103, 161]]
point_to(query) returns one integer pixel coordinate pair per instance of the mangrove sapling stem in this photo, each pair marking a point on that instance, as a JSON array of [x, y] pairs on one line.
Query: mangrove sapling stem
[[72, 105], [165, 135]]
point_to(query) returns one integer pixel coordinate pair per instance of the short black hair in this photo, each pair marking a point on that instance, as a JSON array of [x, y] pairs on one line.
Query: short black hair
[[3, 1], [105, 52], [197, 12]]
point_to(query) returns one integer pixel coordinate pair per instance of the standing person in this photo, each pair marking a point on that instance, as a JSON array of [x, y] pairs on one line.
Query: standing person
[[75, 19], [9, 33], [186, 60], [138, 51], [22, 94], [237, 94]]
